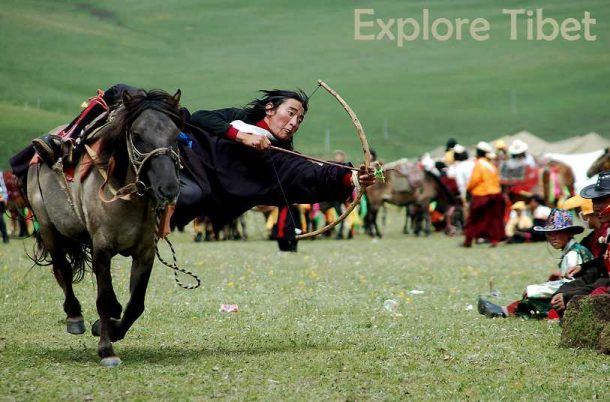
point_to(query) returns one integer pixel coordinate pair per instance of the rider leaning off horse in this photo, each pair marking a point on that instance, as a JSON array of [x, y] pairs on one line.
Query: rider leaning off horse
[[225, 171]]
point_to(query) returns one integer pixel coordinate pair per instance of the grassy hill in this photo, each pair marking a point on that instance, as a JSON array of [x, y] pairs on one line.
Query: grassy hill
[[410, 99]]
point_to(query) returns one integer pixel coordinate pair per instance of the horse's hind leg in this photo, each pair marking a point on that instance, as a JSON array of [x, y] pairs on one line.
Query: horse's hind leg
[[75, 324], [52, 240]]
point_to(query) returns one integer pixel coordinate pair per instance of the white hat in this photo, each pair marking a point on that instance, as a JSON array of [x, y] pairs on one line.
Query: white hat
[[485, 147], [459, 149], [517, 147]]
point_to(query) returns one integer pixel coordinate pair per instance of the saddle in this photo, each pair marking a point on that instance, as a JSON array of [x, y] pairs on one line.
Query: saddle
[[84, 129]]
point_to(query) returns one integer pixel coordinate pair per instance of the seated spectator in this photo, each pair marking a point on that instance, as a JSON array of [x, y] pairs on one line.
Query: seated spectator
[[539, 214], [536, 302], [519, 226], [592, 275]]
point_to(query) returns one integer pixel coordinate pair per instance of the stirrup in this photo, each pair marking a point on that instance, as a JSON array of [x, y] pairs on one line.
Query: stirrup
[[48, 148]]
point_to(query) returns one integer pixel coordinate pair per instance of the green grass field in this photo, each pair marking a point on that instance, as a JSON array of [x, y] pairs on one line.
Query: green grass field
[[311, 326], [55, 54]]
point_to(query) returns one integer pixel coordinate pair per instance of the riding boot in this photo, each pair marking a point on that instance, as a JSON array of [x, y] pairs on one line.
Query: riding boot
[[49, 148]]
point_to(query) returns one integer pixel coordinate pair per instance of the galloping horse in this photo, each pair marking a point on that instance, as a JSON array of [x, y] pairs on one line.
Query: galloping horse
[[601, 164], [140, 143]]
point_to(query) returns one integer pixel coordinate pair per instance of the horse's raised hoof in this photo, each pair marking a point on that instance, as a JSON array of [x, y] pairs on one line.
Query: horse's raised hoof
[[110, 362], [75, 326], [95, 328]]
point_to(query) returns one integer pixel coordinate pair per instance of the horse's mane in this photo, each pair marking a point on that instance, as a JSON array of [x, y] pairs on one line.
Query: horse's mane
[[133, 104]]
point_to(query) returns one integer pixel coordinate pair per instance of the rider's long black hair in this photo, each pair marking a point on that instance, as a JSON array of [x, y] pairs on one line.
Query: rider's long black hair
[[256, 108]]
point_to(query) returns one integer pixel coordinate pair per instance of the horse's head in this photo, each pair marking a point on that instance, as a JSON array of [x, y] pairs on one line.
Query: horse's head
[[602, 163], [151, 122]]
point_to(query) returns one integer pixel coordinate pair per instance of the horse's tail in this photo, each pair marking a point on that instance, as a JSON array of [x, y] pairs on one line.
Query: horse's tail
[[77, 254], [40, 256]]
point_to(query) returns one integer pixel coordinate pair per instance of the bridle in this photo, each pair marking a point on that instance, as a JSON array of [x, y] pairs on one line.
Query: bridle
[[138, 160]]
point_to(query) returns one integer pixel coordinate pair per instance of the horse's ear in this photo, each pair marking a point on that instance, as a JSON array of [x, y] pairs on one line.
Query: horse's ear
[[177, 95], [127, 97]]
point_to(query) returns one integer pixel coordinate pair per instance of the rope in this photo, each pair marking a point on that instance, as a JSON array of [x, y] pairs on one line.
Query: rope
[[174, 264], [277, 176]]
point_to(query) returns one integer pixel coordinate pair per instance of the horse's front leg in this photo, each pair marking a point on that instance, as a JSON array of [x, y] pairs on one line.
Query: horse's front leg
[[141, 268], [106, 307]]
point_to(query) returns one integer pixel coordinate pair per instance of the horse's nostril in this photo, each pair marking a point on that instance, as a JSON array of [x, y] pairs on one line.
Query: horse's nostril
[[168, 192]]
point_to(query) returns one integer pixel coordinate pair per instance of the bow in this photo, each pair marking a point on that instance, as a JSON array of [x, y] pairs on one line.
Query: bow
[[367, 162]]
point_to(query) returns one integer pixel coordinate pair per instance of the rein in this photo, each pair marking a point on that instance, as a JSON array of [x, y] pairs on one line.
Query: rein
[[174, 264]]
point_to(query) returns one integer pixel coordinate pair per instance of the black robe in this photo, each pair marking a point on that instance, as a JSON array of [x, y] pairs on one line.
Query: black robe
[[222, 178]]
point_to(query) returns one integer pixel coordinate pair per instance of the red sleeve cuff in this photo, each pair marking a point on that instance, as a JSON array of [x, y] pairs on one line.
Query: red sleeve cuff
[[347, 180], [231, 133]]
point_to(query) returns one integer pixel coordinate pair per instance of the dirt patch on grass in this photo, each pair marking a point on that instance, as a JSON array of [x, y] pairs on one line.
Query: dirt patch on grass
[[100, 13]]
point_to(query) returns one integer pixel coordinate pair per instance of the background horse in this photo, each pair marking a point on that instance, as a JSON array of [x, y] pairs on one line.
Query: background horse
[[15, 205], [77, 225], [551, 179], [408, 185], [556, 182], [601, 164]]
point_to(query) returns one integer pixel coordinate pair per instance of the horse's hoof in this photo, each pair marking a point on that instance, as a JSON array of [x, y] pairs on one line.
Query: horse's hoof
[[95, 328], [75, 326], [110, 362]]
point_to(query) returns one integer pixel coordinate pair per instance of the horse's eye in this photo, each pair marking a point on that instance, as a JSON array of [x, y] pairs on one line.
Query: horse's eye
[[136, 138]]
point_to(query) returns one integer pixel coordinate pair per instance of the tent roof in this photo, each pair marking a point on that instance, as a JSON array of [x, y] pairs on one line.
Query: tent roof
[[579, 144]]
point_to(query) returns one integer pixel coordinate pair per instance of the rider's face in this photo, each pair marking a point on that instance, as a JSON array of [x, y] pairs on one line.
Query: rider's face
[[599, 205], [285, 119]]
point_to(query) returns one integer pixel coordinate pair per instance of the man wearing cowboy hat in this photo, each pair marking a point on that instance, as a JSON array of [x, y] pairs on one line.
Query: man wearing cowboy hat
[[519, 173], [518, 151], [486, 212], [595, 273]]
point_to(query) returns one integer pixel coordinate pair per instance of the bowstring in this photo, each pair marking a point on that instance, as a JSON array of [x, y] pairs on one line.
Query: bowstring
[[315, 90]]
